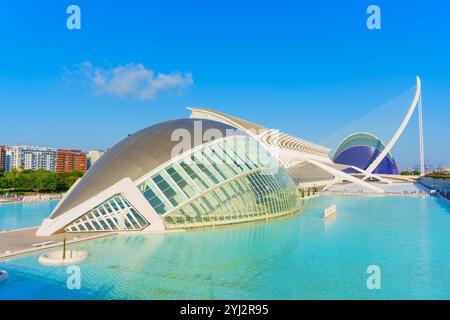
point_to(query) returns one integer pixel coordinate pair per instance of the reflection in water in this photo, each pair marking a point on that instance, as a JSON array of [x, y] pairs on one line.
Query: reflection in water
[[290, 258], [173, 264]]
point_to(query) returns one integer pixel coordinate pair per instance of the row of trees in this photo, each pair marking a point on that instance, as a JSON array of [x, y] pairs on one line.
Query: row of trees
[[439, 175], [309, 190], [410, 173], [37, 181]]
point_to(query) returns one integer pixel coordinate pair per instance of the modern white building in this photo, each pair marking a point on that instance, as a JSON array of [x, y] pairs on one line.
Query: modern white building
[[178, 174], [229, 171], [208, 170]]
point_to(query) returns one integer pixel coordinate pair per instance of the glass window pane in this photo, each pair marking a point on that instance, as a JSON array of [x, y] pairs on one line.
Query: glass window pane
[[182, 184], [190, 170]]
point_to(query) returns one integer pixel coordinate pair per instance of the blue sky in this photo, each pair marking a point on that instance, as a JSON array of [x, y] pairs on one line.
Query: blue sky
[[305, 67]]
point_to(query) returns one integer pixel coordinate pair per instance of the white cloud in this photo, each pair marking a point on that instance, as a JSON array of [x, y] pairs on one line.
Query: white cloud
[[132, 80]]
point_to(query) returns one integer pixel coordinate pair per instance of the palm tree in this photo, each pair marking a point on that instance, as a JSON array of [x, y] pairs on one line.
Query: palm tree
[[64, 249]]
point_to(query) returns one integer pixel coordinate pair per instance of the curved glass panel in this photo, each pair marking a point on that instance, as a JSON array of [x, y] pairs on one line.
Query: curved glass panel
[[360, 150], [263, 194], [202, 170], [362, 157], [360, 139], [115, 214]]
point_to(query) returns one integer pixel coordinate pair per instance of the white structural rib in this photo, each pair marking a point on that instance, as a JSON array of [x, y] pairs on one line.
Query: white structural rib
[[267, 136], [399, 132], [371, 175], [344, 176], [422, 156]]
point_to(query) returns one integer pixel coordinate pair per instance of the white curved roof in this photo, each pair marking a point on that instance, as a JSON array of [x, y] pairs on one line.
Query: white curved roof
[[134, 157], [265, 135]]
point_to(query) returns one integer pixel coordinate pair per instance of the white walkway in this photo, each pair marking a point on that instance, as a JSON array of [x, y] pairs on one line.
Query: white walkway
[[388, 188]]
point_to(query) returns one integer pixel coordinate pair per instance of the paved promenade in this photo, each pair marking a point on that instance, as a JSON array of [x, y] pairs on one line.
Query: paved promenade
[[24, 241]]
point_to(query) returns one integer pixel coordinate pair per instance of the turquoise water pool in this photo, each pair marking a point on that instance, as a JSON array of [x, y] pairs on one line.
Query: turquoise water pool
[[16, 216], [296, 258]]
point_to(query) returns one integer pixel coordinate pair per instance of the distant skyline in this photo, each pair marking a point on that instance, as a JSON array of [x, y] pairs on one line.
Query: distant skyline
[[307, 68]]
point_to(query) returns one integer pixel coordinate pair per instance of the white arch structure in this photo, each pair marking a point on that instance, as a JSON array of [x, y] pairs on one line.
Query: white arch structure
[[293, 151], [417, 101]]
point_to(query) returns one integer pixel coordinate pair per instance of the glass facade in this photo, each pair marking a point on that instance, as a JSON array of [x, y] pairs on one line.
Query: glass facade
[[115, 214], [233, 180], [259, 195]]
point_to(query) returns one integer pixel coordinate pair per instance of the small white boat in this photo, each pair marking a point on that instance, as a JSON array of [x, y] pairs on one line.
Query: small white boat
[[3, 275]]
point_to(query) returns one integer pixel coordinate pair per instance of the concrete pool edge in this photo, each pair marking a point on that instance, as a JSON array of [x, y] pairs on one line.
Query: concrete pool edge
[[78, 238]]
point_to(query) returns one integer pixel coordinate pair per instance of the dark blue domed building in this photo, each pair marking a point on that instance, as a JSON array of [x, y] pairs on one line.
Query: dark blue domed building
[[360, 150]]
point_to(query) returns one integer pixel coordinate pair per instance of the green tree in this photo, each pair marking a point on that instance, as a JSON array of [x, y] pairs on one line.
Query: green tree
[[38, 181]]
